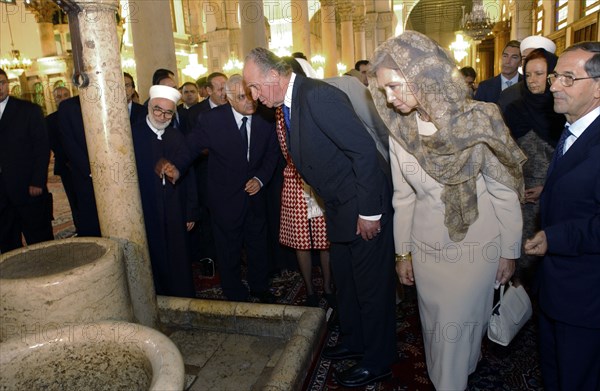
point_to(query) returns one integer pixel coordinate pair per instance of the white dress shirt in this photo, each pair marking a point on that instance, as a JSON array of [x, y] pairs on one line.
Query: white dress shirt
[[578, 127]]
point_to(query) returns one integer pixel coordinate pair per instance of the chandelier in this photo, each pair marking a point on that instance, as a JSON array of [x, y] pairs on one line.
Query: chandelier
[[233, 65], [15, 63], [194, 69], [459, 48], [477, 23]]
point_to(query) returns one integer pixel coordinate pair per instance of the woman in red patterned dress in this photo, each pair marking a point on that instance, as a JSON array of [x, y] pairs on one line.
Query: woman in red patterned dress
[[303, 224]]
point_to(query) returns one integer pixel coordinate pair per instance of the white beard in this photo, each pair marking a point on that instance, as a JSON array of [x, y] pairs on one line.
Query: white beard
[[156, 124]]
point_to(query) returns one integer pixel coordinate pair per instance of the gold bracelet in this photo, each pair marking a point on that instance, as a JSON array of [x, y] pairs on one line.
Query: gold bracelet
[[403, 257]]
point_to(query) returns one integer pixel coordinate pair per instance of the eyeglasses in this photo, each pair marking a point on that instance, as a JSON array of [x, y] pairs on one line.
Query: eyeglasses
[[157, 111], [566, 80]]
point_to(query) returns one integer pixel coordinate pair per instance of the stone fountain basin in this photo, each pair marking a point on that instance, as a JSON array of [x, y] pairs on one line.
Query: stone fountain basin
[[105, 355], [64, 282], [230, 346]]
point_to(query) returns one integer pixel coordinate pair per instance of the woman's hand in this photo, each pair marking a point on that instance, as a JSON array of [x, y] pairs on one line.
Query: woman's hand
[[533, 195], [405, 272], [506, 268]]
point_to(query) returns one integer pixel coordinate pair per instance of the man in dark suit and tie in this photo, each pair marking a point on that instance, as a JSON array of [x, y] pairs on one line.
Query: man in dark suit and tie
[[217, 96], [136, 110], [489, 90], [189, 98], [337, 157], [243, 153], [60, 160], [203, 242], [25, 206], [569, 276]]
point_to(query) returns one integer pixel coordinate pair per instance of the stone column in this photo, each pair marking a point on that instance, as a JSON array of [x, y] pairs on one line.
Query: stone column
[[346, 12], [360, 44], [252, 23], [300, 26], [521, 19], [43, 11], [152, 34], [110, 149], [328, 37]]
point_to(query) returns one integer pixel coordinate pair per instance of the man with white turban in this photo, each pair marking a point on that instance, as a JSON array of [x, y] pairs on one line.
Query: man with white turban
[[169, 209]]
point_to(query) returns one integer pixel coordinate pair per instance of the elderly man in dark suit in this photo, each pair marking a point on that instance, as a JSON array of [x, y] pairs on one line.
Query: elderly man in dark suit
[[489, 90], [243, 153], [569, 276], [25, 204], [337, 157]]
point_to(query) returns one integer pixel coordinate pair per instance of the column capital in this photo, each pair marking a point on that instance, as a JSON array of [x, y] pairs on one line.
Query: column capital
[[105, 5], [359, 23], [385, 17], [345, 9], [328, 3], [42, 10]]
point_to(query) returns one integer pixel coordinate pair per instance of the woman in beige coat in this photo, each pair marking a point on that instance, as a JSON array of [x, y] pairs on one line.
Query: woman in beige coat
[[457, 183]]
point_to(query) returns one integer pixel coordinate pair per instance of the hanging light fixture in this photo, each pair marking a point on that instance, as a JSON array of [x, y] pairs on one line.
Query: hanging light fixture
[[193, 69], [14, 63], [459, 47], [477, 23], [233, 65]]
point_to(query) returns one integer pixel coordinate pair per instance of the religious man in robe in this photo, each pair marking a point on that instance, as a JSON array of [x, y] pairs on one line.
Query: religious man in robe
[[170, 210]]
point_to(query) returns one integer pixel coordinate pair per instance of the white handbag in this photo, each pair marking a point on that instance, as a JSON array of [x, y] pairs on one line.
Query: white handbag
[[313, 202], [509, 314]]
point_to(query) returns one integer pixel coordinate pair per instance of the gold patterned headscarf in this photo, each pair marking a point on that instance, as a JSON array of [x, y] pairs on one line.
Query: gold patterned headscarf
[[471, 136]]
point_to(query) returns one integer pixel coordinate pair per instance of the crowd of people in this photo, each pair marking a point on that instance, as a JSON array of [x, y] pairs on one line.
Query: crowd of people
[[403, 169]]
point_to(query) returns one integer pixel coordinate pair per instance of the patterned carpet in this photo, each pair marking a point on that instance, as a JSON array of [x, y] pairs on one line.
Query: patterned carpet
[[502, 368]]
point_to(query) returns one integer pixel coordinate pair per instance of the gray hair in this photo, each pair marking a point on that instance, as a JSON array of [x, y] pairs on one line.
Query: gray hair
[[234, 85], [266, 60], [592, 66]]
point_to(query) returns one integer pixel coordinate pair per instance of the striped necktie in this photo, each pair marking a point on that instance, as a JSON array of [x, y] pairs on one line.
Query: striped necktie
[[560, 147], [244, 135]]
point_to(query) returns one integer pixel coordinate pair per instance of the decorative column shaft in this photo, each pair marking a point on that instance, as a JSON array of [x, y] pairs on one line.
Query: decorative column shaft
[[300, 26], [360, 46], [43, 11], [252, 23], [110, 149], [346, 11], [153, 45], [328, 37]]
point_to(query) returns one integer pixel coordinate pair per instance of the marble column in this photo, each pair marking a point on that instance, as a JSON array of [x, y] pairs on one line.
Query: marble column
[[328, 37], [300, 26], [43, 11], [345, 9], [152, 34], [360, 45], [521, 19], [252, 23], [110, 149]]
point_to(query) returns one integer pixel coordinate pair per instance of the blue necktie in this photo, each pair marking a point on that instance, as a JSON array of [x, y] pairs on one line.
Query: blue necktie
[[559, 151], [286, 117], [561, 142], [244, 134]]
